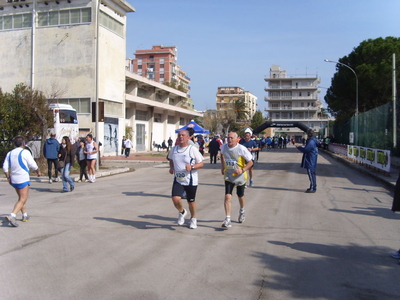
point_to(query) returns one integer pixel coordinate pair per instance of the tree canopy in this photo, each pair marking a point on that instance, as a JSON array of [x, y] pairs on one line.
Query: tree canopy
[[24, 112], [372, 62]]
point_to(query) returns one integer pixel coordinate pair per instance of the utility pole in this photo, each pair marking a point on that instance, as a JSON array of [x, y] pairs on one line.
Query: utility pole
[[394, 103]]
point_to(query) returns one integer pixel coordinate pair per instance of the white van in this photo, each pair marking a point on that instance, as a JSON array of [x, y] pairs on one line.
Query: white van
[[65, 122]]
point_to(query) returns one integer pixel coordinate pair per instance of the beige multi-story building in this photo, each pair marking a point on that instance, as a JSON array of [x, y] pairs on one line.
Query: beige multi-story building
[[160, 63], [294, 98], [75, 52], [226, 96]]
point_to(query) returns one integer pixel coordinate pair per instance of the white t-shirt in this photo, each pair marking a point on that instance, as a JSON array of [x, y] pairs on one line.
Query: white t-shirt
[[236, 157], [181, 156], [19, 161]]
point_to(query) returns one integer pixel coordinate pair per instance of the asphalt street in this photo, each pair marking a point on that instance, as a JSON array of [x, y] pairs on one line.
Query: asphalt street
[[118, 238]]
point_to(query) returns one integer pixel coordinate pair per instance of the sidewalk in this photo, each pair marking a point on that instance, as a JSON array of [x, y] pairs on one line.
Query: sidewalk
[[389, 180]]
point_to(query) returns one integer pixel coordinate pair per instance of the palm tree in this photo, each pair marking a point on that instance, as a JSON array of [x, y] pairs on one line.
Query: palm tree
[[240, 109]]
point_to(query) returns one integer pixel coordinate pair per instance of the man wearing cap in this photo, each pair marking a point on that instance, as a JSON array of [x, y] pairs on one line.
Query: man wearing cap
[[309, 160], [252, 146]]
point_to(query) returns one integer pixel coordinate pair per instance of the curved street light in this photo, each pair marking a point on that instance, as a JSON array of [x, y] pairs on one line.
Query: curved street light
[[339, 63]]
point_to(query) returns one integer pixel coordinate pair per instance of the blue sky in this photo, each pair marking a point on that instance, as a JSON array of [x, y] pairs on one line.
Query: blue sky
[[234, 43]]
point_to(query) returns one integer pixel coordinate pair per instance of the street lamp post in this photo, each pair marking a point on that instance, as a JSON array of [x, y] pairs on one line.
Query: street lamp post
[[336, 62]]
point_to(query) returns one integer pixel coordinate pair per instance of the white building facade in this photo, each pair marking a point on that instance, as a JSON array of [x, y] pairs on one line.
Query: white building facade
[[294, 98], [75, 52]]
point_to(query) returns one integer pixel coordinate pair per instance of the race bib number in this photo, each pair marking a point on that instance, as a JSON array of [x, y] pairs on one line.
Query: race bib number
[[231, 164], [180, 176]]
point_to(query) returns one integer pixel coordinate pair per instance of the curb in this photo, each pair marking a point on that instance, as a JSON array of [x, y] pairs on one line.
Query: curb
[[361, 169]]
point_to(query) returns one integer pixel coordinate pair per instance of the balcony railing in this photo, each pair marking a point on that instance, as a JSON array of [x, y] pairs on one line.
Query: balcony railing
[[308, 98], [290, 87], [290, 108]]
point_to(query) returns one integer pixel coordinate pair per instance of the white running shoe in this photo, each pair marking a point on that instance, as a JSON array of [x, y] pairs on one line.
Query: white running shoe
[[193, 223], [226, 223], [181, 218], [242, 216]]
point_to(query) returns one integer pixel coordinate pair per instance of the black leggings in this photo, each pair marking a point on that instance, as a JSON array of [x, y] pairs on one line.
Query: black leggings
[[83, 170], [50, 162]]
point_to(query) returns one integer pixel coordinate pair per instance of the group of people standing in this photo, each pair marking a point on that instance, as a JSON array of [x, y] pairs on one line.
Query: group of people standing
[[63, 155]]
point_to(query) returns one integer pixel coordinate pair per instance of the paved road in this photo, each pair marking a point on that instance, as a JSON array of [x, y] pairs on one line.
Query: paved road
[[118, 238]]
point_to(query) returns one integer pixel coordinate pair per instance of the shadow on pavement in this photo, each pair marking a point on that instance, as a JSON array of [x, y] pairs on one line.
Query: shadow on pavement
[[140, 224], [381, 212], [143, 194], [153, 225], [330, 272]]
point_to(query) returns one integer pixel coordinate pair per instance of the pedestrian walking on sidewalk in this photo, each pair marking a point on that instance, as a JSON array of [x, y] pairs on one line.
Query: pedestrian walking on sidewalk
[[123, 146], [236, 160], [128, 146], [81, 157], [50, 152], [67, 156], [309, 160], [16, 168], [184, 161], [91, 157]]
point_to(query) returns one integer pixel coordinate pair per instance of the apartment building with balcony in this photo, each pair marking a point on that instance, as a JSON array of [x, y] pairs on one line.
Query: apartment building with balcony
[[226, 96], [153, 109], [293, 98], [160, 63]]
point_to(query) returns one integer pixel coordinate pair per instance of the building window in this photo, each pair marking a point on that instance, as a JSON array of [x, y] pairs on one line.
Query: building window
[[171, 120], [64, 17], [82, 105], [157, 118], [111, 24], [141, 115], [16, 21]]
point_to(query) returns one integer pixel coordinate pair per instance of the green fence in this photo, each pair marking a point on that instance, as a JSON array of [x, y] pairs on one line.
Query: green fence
[[375, 129]]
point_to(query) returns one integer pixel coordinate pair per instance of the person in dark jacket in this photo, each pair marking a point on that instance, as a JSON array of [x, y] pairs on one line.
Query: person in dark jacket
[[50, 152], [213, 148], [396, 207], [309, 160], [67, 155]]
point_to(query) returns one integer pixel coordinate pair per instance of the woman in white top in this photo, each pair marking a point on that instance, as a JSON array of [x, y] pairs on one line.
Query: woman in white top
[[16, 168], [91, 156]]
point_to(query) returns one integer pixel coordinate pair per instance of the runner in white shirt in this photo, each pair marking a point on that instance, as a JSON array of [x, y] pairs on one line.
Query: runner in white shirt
[[235, 161], [16, 168], [184, 161]]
